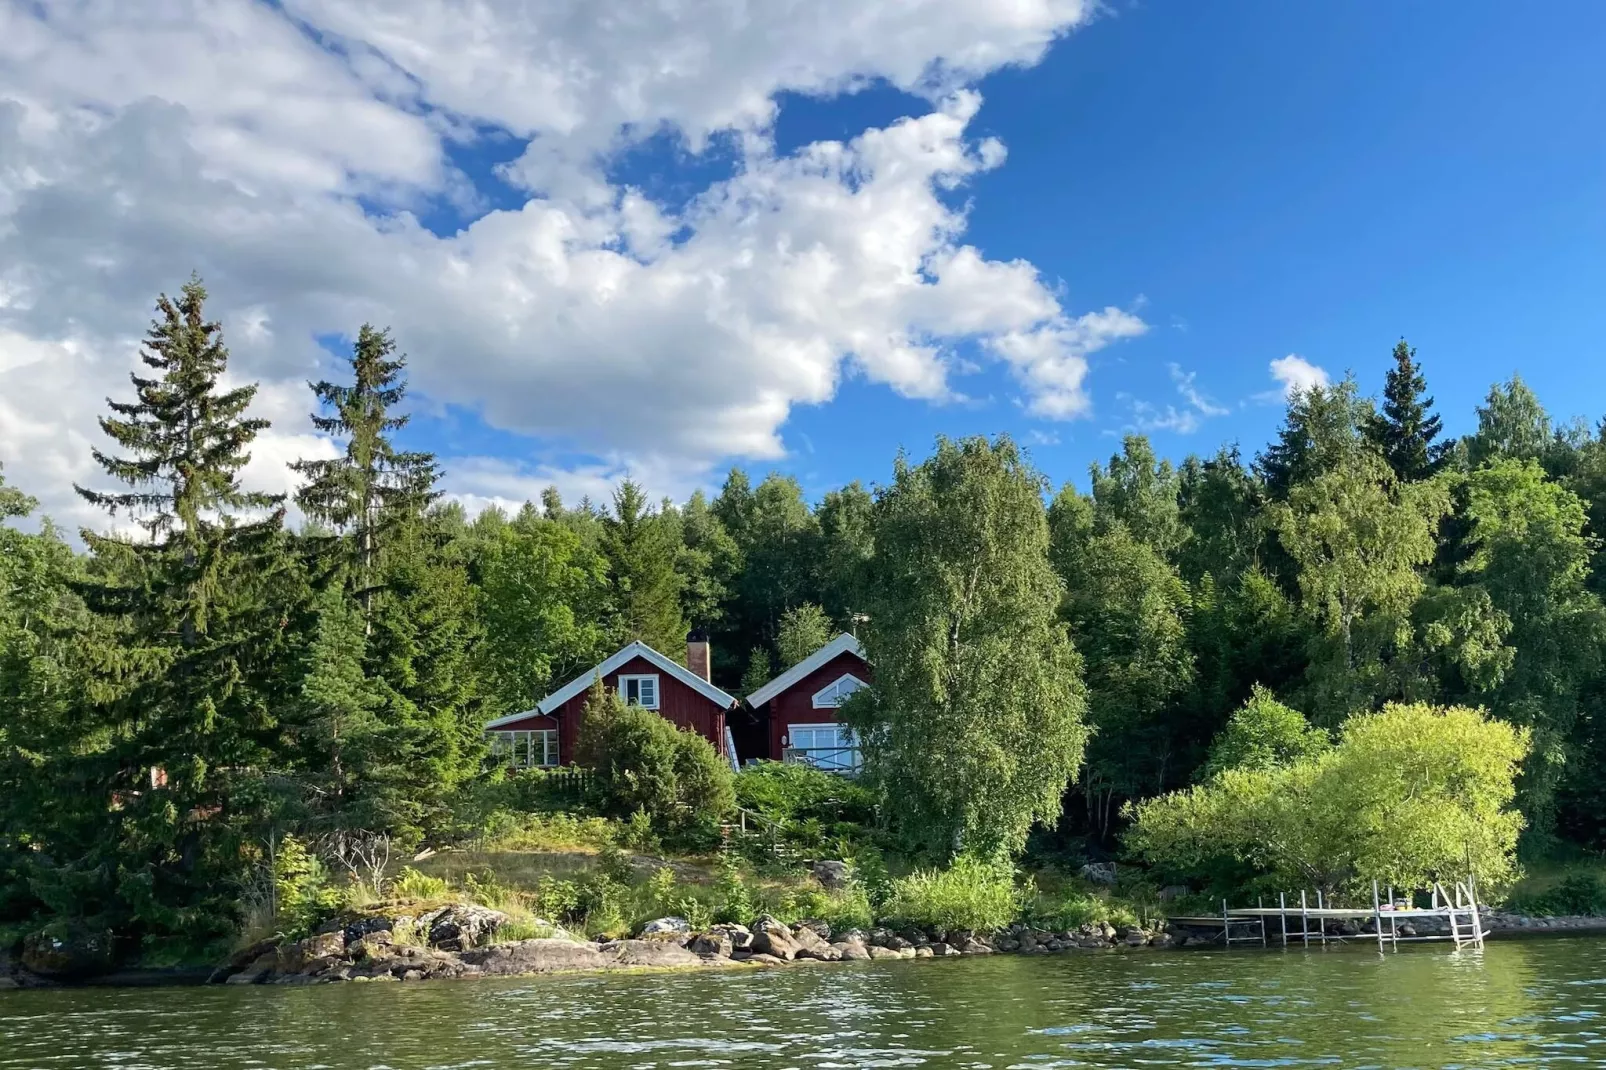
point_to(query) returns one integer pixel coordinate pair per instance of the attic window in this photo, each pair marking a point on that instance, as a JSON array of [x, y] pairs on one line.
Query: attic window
[[639, 691], [831, 696]]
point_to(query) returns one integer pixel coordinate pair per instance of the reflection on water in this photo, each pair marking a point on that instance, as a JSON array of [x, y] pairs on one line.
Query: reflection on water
[[1534, 1004]]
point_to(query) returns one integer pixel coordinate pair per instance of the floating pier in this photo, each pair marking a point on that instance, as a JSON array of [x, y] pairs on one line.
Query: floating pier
[[1262, 924]]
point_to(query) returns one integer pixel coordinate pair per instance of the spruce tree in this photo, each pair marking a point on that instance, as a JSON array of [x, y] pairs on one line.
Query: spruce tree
[[181, 698], [1404, 431], [641, 565], [366, 493]]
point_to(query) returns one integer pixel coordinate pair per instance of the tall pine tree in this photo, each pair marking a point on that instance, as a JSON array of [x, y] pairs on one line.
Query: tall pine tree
[[182, 697], [1404, 431], [641, 565]]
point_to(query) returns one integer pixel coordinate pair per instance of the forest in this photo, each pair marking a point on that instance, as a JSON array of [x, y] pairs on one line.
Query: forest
[[195, 676]]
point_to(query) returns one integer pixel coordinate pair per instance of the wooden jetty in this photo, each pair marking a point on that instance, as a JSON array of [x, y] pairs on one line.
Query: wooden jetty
[[1262, 924]]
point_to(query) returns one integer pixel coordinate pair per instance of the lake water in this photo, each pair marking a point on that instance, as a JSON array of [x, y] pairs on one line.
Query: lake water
[[1536, 1003]]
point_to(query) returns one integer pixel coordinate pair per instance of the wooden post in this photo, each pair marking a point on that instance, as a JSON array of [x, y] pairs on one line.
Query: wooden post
[[1321, 922], [1282, 914], [1377, 916], [1226, 924], [1304, 919], [1394, 933], [1477, 918], [1260, 904]]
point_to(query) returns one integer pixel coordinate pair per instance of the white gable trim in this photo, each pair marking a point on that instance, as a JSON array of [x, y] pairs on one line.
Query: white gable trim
[[612, 665], [842, 644], [832, 686]]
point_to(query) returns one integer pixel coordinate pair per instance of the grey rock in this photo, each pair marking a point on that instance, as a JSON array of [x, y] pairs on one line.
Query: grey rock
[[832, 874], [1098, 873], [650, 953], [771, 937], [665, 927], [852, 950], [712, 943], [878, 953], [537, 956], [461, 926]]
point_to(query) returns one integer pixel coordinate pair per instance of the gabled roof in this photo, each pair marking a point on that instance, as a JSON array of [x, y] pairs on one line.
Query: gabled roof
[[625, 655], [842, 644]]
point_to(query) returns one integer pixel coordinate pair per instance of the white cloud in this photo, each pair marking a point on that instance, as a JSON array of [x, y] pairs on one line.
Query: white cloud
[[279, 150], [1297, 375], [1196, 407]]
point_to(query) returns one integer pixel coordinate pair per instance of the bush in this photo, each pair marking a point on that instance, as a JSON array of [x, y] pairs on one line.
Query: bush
[[411, 884], [970, 894], [794, 791], [1579, 894], [510, 931], [733, 900], [302, 890], [644, 763], [1405, 792]]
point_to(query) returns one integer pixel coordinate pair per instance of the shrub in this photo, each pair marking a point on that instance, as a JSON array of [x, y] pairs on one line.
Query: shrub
[[302, 890], [794, 791], [1405, 792], [1579, 894], [514, 930], [411, 884], [1264, 734], [644, 763], [970, 894], [733, 900]]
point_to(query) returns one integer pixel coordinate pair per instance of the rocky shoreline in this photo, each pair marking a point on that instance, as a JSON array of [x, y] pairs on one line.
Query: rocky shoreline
[[458, 941]]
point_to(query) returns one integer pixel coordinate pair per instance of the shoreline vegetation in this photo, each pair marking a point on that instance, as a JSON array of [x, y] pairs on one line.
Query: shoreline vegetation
[[1372, 652]]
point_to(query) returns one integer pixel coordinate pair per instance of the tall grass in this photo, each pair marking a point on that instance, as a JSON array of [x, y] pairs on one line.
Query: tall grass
[[969, 895]]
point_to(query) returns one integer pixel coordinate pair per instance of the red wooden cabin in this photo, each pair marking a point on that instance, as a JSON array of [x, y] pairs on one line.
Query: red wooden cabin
[[799, 707], [683, 696]]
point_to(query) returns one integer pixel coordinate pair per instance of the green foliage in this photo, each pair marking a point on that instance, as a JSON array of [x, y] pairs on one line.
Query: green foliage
[[1403, 432], [1406, 792], [303, 893], [641, 551], [760, 670], [804, 629], [795, 791], [642, 762], [411, 884], [733, 898], [512, 931], [1264, 734], [971, 894], [974, 725], [1581, 894]]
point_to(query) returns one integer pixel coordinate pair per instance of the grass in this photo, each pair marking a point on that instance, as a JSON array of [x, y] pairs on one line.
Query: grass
[[1555, 885]]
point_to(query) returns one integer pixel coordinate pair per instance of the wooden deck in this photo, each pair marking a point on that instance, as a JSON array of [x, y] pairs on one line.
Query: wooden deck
[[1458, 907]]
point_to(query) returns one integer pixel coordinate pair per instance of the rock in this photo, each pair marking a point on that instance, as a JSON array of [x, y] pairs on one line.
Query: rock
[[67, 953], [924, 951], [880, 938], [852, 950], [461, 926], [765, 960], [942, 949], [878, 953], [771, 937], [1172, 892], [717, 944], [1135, 937], [412, 975], [973, 946], [833, 875], [819, 928], [1098, 873], [375, 945], [811, 944], [1160, 940], [650, 953], [314, 953], [537, 956], [666, 928]]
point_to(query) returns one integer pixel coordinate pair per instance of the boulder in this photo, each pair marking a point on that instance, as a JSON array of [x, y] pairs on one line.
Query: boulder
[[315, 953], [819, 928], [833, 875], [666, 928], [717, 944], [375, 945], [765, 960], [1173, 892], [741, 937], [811, 944], [924, 951], [360, 928], [878, 953], [852, 950], [537, 956], [1135, 937], [461, 926], [941, 949], [67, 953], [973, 946], [771, 937], [1098, 873], [650, 953]]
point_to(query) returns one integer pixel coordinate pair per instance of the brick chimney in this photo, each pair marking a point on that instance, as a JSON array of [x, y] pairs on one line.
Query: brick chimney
[[697, 656]]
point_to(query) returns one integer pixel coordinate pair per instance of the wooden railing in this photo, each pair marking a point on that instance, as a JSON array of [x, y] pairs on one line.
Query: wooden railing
[[844, 760]]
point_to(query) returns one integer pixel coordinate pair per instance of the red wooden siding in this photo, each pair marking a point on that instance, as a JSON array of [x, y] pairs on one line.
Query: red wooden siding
[[795, 705], [677, 703]]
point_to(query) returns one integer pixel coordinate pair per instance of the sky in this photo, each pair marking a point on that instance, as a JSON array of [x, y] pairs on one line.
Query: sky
[[657, 238]]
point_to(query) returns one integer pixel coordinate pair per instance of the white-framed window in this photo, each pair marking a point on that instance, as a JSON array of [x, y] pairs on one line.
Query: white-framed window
[[832, 747], [831, 696], [527, 749], [639, 691]]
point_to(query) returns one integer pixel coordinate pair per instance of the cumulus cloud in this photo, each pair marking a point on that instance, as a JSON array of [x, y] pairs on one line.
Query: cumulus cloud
[[286, 151], [1296, 375]]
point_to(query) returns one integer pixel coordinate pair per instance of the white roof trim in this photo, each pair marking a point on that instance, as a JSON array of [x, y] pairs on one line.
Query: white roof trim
[[842, 644], [637, 649], [832, 686]]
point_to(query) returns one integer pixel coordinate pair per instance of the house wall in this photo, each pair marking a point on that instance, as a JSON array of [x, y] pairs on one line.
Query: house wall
[[795, 705], [677, 704]]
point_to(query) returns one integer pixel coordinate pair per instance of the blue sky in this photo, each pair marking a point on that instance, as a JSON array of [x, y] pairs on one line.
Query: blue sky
[[1251, 180], [1260, 179]]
